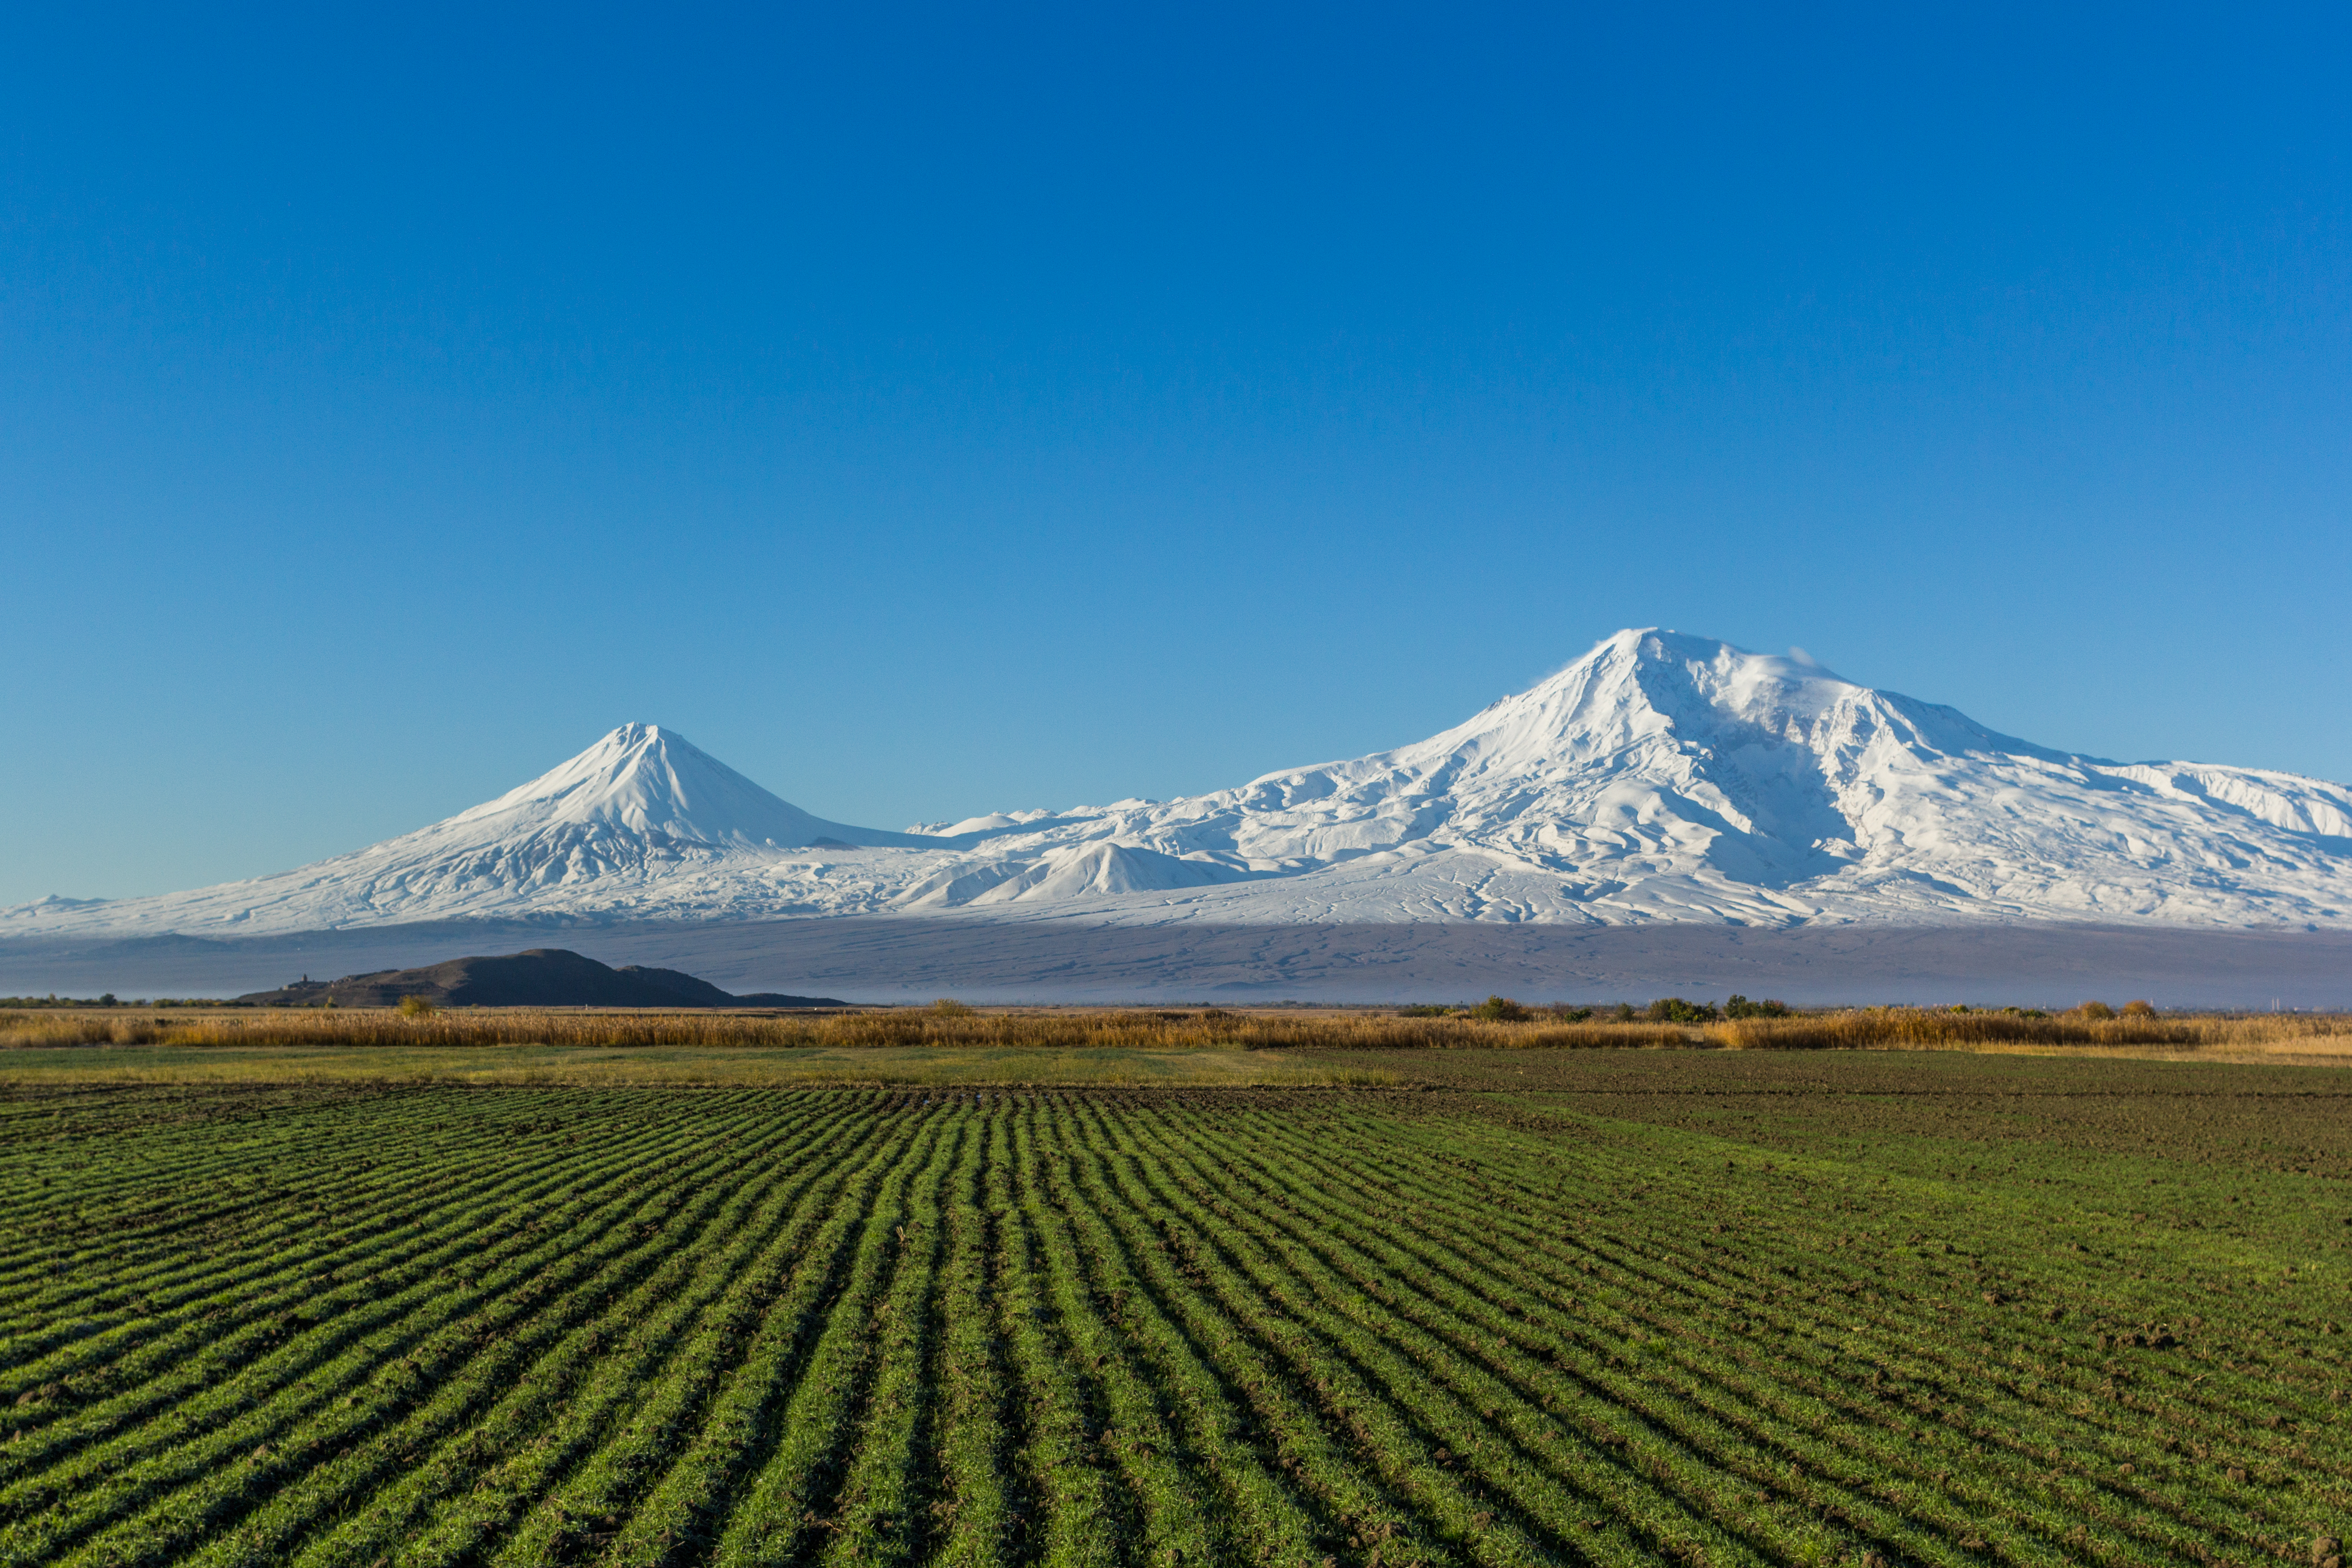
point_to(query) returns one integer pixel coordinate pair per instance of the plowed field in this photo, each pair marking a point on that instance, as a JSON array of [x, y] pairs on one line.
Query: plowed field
[[1677, 1309]]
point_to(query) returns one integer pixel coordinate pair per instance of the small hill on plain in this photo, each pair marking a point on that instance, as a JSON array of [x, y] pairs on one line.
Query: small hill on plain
[[541, 977]]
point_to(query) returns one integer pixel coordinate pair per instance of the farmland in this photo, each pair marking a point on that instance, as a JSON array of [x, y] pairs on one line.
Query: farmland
[[1485, 1306]]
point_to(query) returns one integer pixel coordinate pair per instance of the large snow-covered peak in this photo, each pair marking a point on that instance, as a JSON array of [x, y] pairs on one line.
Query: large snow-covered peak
[[1667, 777], [1653, 691], [1634, 686]]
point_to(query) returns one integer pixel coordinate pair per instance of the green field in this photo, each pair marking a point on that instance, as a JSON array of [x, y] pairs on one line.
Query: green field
[[529, 1066], [1576, 1307]]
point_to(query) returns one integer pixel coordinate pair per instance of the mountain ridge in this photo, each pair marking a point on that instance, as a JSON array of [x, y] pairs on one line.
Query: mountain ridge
[[1659, 777]]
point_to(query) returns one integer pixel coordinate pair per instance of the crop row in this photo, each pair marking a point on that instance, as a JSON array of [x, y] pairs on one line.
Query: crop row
[[643, 1327]]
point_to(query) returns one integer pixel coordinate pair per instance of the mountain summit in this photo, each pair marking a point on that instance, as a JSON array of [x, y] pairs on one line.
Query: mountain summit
[[1663, 776], [1660, 777], [637, 824], [643, 785]]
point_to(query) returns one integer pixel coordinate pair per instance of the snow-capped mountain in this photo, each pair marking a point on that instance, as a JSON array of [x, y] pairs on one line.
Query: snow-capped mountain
[[1660, 777], [609, 830]]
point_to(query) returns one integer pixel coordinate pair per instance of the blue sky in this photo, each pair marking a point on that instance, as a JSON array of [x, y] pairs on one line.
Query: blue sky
[[931, 411]]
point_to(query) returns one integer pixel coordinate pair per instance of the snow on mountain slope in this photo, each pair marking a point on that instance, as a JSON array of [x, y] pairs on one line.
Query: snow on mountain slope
[[639, 785], [1663, 776], [1063, 872], [1660, 777], [642, 821]]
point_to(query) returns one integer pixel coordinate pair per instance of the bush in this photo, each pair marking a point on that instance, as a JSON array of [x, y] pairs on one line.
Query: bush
[[1423, 1010], [1567, 1015], [1500, 1009], [2139, 1009], [2096, 1012], [416, 1007], [948, 1007], [1623, 1012], [1741, 1007], [1674, 1010]]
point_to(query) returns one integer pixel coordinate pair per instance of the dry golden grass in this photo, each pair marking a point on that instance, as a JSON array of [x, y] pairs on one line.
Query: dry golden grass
[[1209, 1029], [943, 1045], [2272, 1036]]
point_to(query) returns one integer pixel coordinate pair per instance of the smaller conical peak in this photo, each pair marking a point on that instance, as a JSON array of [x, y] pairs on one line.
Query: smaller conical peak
[[635, 736], [635, 744], [648, 780], [643, 764], [645, 780]]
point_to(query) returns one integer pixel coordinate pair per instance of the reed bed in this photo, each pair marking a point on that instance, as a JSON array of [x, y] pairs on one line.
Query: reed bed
[[1923, 1028], [1211, 1030], [1868, 1029]]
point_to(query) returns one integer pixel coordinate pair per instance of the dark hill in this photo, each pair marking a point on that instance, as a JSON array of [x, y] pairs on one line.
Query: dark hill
[[542, 977]]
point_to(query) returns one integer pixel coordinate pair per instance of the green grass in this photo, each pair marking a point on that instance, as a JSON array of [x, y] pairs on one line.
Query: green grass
[[1586, 1307], [726, 1065]]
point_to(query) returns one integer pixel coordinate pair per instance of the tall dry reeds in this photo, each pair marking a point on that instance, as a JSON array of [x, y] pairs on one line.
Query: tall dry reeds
[[1210, 1030], [1922, 1028], [1870, 1028]]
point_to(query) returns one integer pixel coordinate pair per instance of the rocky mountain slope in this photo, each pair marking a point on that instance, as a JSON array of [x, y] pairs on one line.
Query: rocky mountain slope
[[1660, 777]]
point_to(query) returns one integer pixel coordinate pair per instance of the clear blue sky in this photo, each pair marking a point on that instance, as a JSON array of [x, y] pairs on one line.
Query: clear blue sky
[[934, 412]]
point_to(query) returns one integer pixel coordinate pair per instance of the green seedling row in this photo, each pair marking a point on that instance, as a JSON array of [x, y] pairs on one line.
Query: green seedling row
[[425, 1355], [2077, 1321]]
